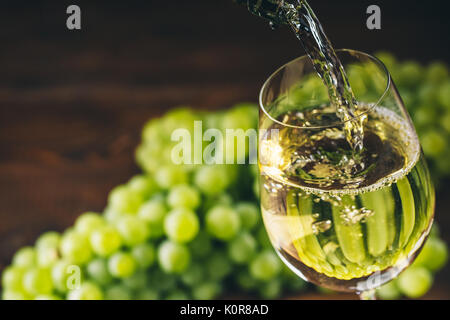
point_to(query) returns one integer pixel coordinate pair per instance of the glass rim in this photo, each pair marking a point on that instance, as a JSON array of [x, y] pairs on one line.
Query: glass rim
[[339, 123]]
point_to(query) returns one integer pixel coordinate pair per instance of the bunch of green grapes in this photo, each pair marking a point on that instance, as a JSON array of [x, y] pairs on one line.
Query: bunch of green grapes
[[232, 247], [173, 232]]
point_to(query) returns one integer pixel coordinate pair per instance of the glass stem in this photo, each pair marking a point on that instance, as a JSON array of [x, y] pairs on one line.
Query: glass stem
[[368, 295]]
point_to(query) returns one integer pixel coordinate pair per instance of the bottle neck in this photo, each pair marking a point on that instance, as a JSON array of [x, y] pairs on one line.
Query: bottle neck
[[272, 10]]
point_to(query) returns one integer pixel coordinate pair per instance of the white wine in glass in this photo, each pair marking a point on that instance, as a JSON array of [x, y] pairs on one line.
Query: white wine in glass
[[345, 219]]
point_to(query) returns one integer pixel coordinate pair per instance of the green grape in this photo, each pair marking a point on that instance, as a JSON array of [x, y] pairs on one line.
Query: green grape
[[311, 89], [143, 185], [409, 74], [442, 164], [173, 257], [387, 58], [37, 281], [160, 196], [206, 291], [152, 131], [263, 238], [218, 266], [47, 297], [49, 239], [435, 232], [389, 291], [433, 143], [46, 256], [242, 248], [181, 225], [271, 289], [445, 121], [147, 294], [249, 214], [214, 119], [88, 222], [437, 72], [14, 295], [242, 116], [170, 175], [12, 278], [424, 116], [75, 248], [314, 83], [292, 281], [184, 196], [136, 281], [409, 98], [201, 246], [105, 241], [211, 180], [223, 199], [144, 254], [222, 222], [162, 281], [183, 117], [414, 282], [132, 230], [254, 169], [233, 171], [87, 291], [250, 109], [111, 216], [118, 292], [444, 94], [256, 187], [25, 257], [97, 270], [121, 265], [177, 295], [148, 158], [193, 275], [433, 256], [246, 281], [123, 199], [61, 273], [324, 290], [427, 95], [153, 212], [265, 266]]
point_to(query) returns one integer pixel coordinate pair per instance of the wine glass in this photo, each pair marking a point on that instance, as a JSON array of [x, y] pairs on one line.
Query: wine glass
[[343, 219]]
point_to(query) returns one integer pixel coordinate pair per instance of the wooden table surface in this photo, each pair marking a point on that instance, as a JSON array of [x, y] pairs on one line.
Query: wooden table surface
[[72, 103]]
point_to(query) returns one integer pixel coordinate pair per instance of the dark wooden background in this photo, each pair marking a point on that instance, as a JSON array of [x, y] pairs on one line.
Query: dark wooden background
[[72, 103]]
